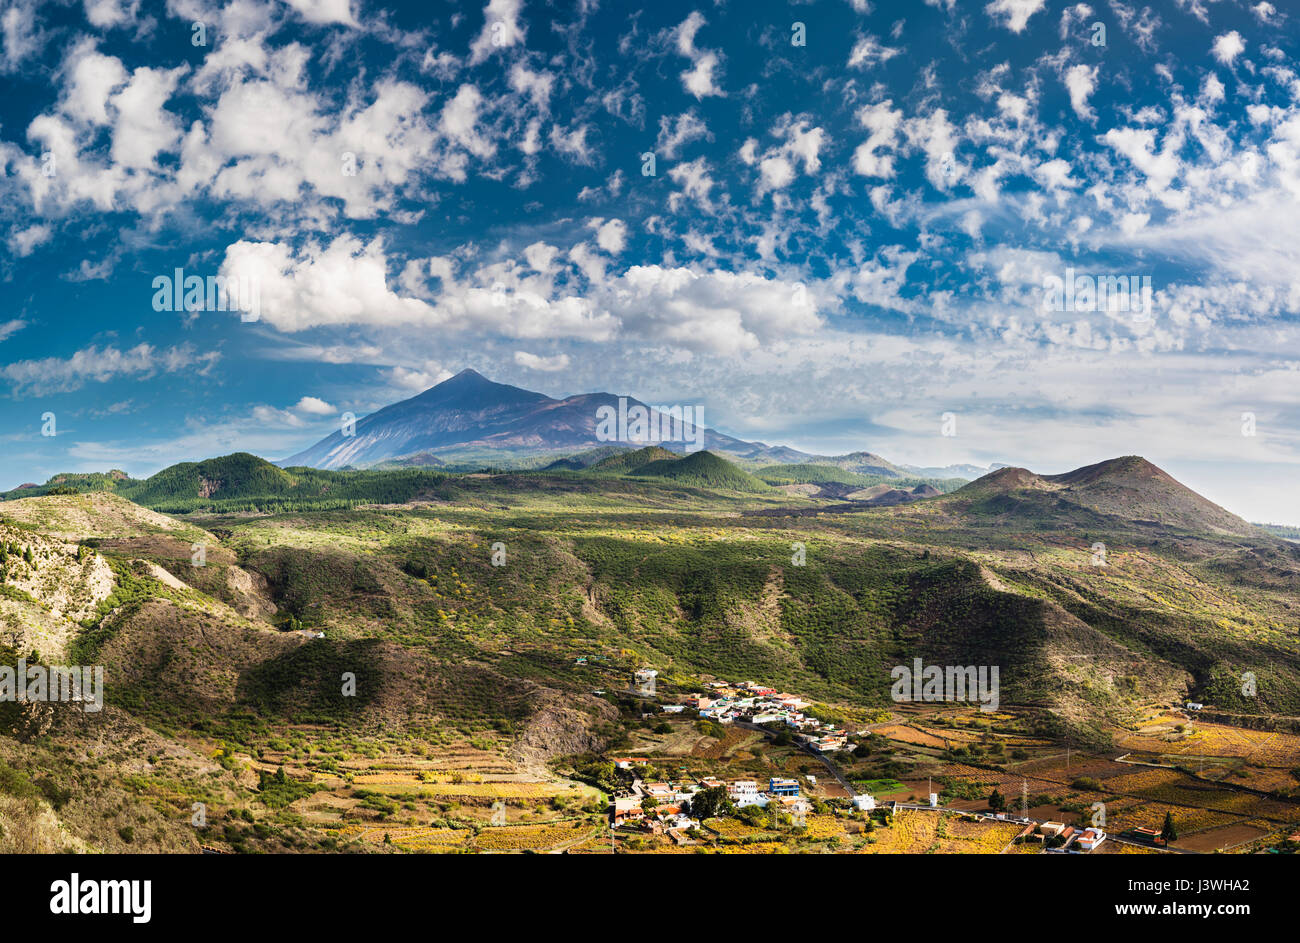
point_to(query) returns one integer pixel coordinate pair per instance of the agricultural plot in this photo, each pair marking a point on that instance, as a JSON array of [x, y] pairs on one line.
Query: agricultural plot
[[1257, 747]]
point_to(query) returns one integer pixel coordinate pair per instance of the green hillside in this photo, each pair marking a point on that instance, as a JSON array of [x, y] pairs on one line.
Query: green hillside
[[624, 463], [222, 672], [832, 474], [586, 459], [244, 482], [703, 470]]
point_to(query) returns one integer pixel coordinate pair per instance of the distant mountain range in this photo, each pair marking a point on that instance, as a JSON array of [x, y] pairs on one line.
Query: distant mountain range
[[469, 419], [1125, 493]]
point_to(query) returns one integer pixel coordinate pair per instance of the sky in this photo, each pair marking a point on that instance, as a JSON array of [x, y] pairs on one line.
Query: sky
[[835, 225]]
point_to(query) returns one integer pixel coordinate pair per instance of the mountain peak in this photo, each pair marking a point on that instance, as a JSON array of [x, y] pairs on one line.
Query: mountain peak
[[469, 373], [1132, 468], [1128, 488]]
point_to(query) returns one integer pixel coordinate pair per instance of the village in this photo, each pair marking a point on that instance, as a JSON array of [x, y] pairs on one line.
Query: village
[[686, 808]]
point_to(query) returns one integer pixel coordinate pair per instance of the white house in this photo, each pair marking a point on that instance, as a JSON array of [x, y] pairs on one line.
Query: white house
[[864, 802]]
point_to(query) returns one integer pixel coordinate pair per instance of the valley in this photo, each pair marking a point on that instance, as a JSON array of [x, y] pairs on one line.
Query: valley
[[451, 670]]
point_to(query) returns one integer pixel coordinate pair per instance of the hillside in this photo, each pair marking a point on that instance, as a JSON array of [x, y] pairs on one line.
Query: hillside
[[244, 482], [819, 474], [623, 463], [864, 463], [217, 672], [586, 459], [702, 470], [1128, 488]]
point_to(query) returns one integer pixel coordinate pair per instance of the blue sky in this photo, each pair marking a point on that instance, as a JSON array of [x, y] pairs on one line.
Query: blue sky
[[841, 241]]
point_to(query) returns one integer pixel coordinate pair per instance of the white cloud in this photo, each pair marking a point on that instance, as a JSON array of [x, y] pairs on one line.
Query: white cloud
[[1139, 146], [501, 29], [868, 53], [20, 35], [715, 311], [612, 236], [883, 121], [346, 283], [1264, 11], [935, 135], [51, 375], [93, 77], [693, 177], [270, 416], [1014, 14], [544, 364], [778, 165], [324, 11], [699, 79], [1228, 47], [109, 13], [675, 133], [1080, 82], [537, 86], [411, 380], [314, 406], [24, 241], [144, 127]]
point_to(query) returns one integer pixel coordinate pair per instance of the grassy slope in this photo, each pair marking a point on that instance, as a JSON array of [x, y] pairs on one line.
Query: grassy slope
[[703, 470], [648, 570]]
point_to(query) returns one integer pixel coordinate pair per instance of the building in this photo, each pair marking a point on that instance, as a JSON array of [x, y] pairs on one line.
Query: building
[[1194, 706], [864, 802], [1051, 829], [744, 792], [1149, 835], [627, 808], [783, 787], [1090, 839], [627, 762]]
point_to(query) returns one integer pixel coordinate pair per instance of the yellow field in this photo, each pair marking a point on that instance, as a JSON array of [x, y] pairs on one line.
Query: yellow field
[[967, 837], [911, 834], [531, 837]]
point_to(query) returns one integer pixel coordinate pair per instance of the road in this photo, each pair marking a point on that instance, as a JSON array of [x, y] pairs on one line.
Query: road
[[830, 767]]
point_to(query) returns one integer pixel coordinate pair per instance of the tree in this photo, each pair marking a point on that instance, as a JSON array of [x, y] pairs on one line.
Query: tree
[[997, 801], [711, 803], [1168, 832]]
